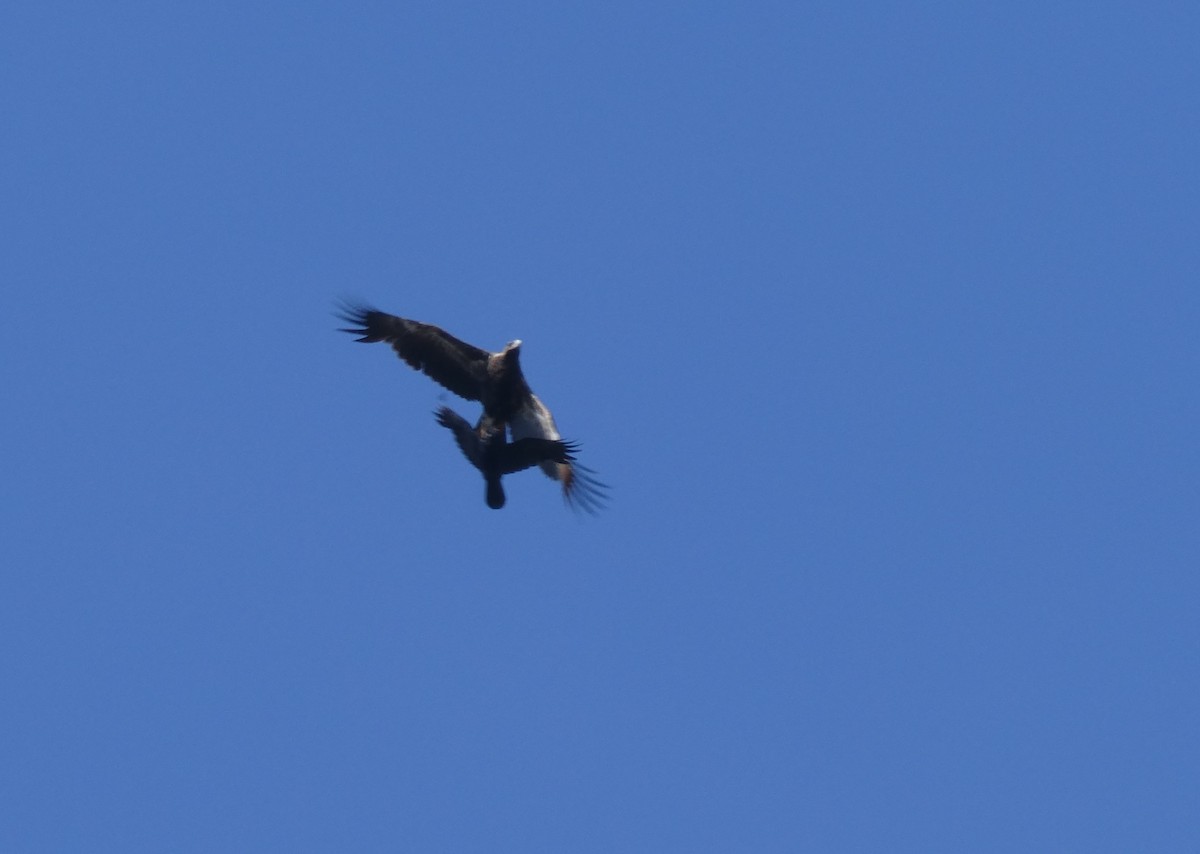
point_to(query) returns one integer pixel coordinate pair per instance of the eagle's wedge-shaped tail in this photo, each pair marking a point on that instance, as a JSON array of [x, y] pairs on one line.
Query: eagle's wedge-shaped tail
[[580, 488]]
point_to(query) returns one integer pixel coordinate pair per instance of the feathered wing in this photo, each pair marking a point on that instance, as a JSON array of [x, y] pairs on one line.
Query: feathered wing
[[580, 488], [525, 453], [468, 441], [454, 364]]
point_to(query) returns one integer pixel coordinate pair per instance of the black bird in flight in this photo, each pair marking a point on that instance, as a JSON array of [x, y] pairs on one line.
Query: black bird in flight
[[485, 445], [496, 380]]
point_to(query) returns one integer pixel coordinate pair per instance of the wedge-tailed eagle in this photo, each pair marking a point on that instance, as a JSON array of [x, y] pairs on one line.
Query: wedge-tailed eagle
[[494, 379]]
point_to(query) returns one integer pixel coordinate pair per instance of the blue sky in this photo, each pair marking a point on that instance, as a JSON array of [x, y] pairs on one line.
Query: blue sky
[[880, 320]]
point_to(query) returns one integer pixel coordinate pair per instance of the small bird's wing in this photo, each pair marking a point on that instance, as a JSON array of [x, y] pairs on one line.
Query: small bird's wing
[[457, 365], [468, 441], [524, 453]]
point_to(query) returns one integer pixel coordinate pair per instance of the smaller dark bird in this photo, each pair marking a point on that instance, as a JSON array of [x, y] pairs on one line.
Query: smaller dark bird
[[488, 449]]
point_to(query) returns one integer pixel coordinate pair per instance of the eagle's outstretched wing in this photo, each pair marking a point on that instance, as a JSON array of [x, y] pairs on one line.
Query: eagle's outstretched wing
[[457, 365]]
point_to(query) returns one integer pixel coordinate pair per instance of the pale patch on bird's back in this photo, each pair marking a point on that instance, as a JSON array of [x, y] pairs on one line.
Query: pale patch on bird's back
[[535, 421]]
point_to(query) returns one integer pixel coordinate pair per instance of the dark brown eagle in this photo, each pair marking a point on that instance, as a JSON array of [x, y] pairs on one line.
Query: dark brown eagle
[[496, 380]]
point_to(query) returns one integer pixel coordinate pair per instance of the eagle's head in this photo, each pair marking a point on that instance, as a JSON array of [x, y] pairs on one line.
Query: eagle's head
[[512, 350]]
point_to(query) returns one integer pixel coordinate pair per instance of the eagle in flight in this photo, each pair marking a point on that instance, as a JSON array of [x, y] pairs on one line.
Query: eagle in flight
[[496, 380]]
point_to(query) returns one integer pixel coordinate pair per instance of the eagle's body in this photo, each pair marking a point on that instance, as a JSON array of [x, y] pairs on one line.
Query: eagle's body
[[496, 381]]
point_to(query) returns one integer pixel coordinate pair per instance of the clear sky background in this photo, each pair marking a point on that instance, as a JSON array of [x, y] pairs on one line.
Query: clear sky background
[[880, 320]]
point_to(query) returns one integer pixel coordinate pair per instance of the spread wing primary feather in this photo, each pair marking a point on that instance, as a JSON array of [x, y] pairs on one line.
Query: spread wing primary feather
[[455, 364]]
